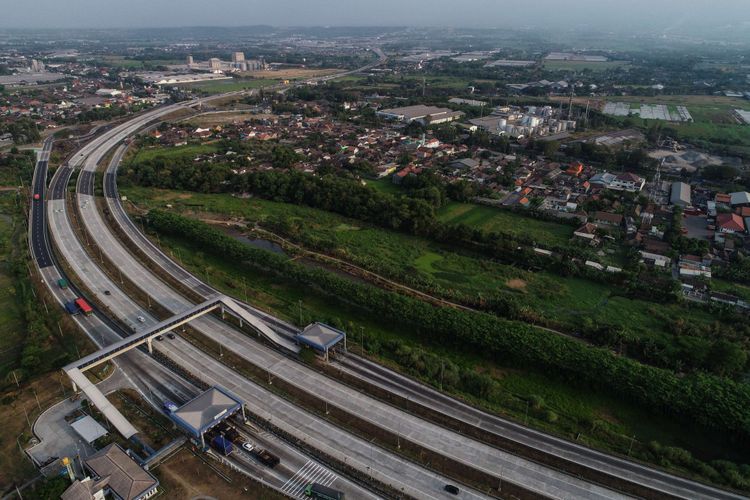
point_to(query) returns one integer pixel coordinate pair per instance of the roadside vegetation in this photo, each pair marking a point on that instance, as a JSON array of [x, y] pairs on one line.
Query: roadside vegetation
[[623, 312], [511, 350], [36, 340]]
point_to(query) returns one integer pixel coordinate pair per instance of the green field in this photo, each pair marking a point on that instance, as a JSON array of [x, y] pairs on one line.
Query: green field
[[603, 420], [496, 219], [233, 85], [569, 301], [144, 154], [121, 61], [385, 185], [11, 320], [703, 108], [583, 65]]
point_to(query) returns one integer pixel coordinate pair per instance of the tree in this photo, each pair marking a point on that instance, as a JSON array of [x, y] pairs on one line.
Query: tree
[[550, 148], [726, 358]]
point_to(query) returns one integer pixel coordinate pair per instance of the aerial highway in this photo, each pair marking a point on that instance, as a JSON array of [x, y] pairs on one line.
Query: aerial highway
[[91, 275], [658, 481], [151, 378], [470, 452]]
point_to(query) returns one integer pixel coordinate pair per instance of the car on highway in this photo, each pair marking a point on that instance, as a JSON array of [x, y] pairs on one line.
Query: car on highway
[[141, 319], [247, 446], [160, 337], [107, 292], [170, 336], [37, 197], [452, 489]]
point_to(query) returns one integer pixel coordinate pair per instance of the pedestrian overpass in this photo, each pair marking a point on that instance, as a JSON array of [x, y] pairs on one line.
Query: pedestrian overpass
[[75, 370]]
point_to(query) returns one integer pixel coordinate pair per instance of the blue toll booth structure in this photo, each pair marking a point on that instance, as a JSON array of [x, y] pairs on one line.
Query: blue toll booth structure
[[321, 337]]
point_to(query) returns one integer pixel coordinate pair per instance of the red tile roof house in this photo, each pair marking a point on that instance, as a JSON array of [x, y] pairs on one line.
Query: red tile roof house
[[608, 218], [730, 223]]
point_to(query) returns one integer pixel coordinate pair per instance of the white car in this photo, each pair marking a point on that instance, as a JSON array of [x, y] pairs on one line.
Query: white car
[[248, 446], [141, 319]]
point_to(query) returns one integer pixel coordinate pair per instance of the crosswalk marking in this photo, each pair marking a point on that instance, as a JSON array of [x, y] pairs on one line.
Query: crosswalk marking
[[311, 472]]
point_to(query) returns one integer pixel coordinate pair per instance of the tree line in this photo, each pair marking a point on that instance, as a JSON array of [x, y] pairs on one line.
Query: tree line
[[712, 402]]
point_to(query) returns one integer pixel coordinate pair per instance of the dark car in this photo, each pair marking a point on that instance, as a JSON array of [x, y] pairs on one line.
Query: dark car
[[107, 292], [170, 336], [453, 490], [159, 338]]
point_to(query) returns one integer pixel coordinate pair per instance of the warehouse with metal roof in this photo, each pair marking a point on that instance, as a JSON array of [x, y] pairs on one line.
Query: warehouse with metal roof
[[680, 195], [206, 411]]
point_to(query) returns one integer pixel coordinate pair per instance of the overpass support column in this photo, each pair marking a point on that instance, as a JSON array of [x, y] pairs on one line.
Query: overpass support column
[[222, 311], [150, 349], [243, 413], [240, 322]]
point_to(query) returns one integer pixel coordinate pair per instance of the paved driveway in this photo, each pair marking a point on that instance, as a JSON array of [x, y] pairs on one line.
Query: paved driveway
[[57, 437]]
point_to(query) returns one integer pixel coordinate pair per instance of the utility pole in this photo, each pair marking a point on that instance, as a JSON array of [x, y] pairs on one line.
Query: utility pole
[[37, 399], [526, 418]]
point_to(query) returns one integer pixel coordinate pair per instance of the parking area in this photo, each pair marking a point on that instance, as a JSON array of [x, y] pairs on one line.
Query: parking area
[[696, 226]]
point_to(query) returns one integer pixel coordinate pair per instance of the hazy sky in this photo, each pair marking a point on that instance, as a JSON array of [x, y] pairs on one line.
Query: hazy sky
[[608, 14]]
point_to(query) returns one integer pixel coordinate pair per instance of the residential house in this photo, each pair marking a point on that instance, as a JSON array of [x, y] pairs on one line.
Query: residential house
[[607, 218], [587, 232], [730, 223], [628, 182]]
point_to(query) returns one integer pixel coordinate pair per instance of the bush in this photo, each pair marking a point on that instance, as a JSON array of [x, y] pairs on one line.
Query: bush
[[710, 401]]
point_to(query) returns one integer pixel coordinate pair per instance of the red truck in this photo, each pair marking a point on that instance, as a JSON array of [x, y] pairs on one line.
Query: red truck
[[83, 306]]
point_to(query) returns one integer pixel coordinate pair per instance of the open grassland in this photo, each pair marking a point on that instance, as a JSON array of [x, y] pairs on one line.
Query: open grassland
[[496, 219], [291, 73], [123, 62], [233, 85], [703, 108], [602, 420], [569, 301], [190, 150], [214, 119], [11, 320], [583, 65]]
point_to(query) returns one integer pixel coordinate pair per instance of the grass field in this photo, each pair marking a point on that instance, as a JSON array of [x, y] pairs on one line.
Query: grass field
[[578, 407], [291, 73], [385, 185], [496, 219], [135, 64], [567, 300], [11, 322], [583, 65], [703, 108], [233, 85], [144, 154], [213, 119]]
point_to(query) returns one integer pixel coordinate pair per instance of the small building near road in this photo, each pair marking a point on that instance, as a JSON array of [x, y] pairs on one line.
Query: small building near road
[[86, 489], [739, 199], [321, 337], [205, 411], [680, 195], [126, 479], [89, 429]]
